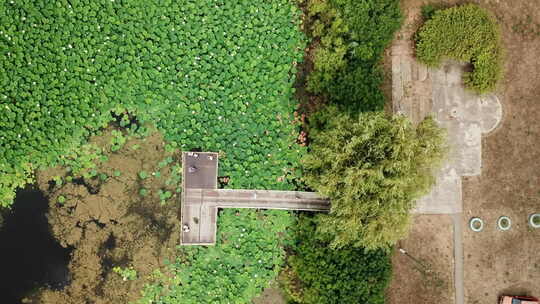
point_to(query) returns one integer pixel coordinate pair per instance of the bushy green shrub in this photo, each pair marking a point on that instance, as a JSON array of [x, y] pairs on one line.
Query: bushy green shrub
[[319, 274], [466, 33], [127, 273], [352, 35], [247, 255], [372, 167], [215, 75], [61, 199], [427, 11]]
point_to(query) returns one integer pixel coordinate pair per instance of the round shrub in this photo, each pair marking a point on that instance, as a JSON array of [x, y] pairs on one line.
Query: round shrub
[[464, 33]]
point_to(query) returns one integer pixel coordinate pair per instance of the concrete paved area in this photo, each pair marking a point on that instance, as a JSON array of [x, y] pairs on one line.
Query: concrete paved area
[[199, 172], [418, 92], [201, 199], [465, 116]]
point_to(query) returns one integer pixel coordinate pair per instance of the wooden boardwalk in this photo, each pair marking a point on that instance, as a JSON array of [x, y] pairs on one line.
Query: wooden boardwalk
[[201, 199]]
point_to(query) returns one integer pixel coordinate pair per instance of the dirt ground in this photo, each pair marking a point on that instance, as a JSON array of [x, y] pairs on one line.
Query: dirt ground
[[271, 295], [496, 262], [425, 273], [499, 262], [108, 223]]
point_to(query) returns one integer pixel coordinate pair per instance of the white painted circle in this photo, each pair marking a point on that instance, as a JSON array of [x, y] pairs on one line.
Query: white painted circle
[[501, 221], [532, 217], [476, 224]]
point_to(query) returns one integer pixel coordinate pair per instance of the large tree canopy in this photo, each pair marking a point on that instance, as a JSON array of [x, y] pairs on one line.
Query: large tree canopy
[[372, 167]]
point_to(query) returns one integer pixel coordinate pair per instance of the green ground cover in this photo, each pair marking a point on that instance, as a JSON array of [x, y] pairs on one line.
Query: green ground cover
[[235, 270], [214, 75], [350, 37]]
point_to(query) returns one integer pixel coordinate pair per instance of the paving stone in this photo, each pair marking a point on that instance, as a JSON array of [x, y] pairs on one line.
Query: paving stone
[[465, 115]]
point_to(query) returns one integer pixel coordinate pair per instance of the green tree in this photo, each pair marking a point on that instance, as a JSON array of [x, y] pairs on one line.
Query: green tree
[[319, 274], [372, 167], [350, 36]]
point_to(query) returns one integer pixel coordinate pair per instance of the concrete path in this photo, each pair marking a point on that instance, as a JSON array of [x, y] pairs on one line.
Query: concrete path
[[464, 115], [201, 208], [264, 199], [418, 92]]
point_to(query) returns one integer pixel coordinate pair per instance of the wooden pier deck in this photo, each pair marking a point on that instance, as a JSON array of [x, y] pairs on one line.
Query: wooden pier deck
[[201, 199]]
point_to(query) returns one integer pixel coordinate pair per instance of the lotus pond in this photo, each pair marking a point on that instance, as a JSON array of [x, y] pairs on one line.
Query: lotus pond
[[211, 75]]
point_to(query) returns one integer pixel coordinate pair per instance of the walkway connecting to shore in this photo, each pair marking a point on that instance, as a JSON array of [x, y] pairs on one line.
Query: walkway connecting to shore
[[201, 199]]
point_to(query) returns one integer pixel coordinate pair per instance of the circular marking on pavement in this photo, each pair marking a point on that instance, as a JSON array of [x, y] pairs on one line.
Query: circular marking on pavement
[[534, 220], [476, 224], [504, 223]]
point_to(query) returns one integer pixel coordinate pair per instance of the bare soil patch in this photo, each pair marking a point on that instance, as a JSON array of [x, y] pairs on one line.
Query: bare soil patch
[[425, 274], [108, 223], [496, 262], [271, 295], [507, 262]]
